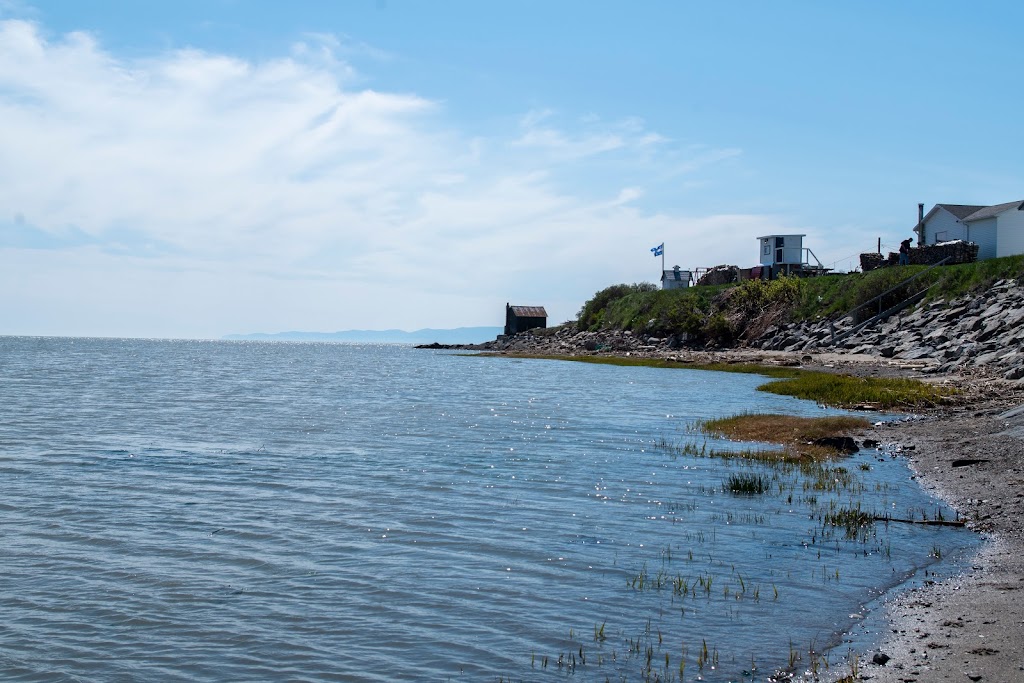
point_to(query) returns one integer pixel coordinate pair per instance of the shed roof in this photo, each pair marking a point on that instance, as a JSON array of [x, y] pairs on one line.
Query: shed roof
[[990, 211], [676, 274], [529, 311]]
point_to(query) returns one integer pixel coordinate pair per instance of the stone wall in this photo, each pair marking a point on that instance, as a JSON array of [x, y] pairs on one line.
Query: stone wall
[[984, 329]]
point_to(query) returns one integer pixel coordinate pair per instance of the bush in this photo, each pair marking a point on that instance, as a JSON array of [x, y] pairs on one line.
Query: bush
[[757, 296], [592, 314]]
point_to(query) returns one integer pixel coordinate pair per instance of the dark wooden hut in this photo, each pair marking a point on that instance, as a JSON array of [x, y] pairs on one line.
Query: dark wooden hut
[[522, 318]]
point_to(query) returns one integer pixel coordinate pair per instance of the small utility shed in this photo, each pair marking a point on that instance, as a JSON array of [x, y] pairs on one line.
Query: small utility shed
[[675, 278], [521, 318], [782, 252]]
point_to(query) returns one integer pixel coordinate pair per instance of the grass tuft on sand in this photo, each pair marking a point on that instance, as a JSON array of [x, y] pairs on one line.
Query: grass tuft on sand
[[801, 438]]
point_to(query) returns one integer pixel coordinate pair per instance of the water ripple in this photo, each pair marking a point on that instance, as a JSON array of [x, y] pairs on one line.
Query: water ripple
[[209, 511]]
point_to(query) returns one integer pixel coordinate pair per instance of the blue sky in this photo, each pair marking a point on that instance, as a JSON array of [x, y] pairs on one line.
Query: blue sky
[[193, 169]]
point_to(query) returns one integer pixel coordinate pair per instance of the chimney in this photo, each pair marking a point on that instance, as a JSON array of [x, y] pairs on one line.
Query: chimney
[[920, 225]]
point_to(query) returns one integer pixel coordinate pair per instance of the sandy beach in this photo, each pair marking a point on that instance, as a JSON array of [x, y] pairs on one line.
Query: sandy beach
[[971, 627]]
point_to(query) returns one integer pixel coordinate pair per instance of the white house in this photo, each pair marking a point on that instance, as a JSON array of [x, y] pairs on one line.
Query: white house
[[997, 230], [945, 223]]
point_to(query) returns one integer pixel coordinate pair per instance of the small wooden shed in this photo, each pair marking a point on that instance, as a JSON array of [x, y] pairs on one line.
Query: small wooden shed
[[521, 318]]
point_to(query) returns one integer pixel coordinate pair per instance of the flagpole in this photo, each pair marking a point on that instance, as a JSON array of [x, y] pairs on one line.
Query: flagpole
[[662, 259]]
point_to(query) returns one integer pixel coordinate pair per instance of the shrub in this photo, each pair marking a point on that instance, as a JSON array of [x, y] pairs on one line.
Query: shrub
[[592, 314]]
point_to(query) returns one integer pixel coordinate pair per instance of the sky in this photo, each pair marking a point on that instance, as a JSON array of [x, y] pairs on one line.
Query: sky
[[192, 169]]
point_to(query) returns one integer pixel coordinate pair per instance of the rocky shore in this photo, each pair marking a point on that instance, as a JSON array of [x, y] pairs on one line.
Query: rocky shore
[[970, 453]]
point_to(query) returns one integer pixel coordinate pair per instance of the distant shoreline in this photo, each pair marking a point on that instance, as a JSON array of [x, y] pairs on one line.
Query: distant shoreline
[[458, 335]]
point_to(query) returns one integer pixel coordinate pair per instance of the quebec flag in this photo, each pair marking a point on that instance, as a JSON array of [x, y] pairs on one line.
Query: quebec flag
[[658, 250]]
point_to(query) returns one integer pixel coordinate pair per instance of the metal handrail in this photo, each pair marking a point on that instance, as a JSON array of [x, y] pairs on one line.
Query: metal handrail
[[912, 299], [893, 289], [808, 250]]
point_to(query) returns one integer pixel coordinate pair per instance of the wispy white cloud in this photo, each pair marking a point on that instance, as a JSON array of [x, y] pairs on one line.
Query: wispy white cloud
[[233, 195]]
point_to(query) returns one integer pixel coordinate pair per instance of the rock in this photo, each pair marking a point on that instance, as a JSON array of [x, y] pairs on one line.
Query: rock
[[880, 658], [916, 353], [967, 462], [992, 311], [843, 444], [990, 357], [1015, 373]]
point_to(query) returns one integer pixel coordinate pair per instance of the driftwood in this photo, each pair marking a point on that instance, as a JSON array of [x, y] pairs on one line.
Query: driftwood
[[926, 522]]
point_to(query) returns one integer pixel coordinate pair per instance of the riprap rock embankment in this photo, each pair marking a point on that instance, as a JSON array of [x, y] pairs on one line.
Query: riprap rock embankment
[[978, 333]]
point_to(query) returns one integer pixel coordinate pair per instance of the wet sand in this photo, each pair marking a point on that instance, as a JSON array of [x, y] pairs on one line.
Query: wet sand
[[971, 627]]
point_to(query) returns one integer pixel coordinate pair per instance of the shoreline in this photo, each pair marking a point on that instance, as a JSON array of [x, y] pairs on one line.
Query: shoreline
[[969, 627], [970, 454]]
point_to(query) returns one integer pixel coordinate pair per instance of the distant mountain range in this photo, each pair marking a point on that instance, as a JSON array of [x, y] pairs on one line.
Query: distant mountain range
[[459, 335]]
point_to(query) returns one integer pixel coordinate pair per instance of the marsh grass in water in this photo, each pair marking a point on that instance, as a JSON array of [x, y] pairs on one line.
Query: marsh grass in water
[[748, 483], [802, 438]]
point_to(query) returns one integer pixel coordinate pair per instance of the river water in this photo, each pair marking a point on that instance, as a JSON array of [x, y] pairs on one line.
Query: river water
[[212, 511]]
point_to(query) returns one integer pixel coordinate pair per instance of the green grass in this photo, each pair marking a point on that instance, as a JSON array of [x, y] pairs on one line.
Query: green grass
[[884, 393], [838, 294], [721, 314], [657, 312]]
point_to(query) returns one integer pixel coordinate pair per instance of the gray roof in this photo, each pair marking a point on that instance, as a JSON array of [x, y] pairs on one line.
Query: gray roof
[[529, 311], [990, 211], [676, 274]]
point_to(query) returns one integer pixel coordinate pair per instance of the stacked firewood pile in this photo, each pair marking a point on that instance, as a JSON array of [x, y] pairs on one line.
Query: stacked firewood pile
[[958, 251]]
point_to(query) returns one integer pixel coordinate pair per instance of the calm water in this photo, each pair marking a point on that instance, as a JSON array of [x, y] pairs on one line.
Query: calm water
[[182, 510]]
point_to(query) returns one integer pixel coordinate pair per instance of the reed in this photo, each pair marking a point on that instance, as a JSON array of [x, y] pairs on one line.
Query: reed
[[748, 484]]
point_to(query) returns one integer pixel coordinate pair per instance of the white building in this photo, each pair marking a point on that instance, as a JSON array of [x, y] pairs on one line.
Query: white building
[[997, 230], [782, 250], [675, 278]]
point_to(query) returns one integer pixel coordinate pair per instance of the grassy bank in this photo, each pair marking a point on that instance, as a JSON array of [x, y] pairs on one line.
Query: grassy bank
[[724, 314]]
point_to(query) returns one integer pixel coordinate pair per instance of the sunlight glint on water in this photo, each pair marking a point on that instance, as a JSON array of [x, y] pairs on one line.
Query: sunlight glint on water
[[183, 510]]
